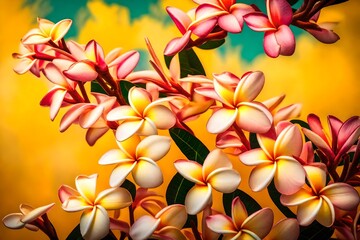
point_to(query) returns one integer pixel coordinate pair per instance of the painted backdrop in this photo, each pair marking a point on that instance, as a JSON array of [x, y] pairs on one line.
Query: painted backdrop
[[36, 159]]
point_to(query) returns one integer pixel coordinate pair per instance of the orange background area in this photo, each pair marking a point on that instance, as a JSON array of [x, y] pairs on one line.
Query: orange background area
[[36, 159]]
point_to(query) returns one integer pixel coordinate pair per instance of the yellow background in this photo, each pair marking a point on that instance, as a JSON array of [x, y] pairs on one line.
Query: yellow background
[[36, 158]]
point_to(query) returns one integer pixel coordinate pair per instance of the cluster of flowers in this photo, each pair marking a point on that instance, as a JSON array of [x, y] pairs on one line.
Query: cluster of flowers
[[136, 104]]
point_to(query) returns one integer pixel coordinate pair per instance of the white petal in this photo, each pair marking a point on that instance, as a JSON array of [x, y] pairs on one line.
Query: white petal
[[95, 224], [147, 174], [144, 227], [198, 198], [154, 147]]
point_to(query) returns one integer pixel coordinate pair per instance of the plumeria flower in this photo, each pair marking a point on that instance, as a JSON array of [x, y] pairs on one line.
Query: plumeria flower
[[94, 221], [143, 117], [216, 173], [91, 116], [237, 96], [275, 159], [28, 217], [343, 136], [148, 200], [139, 157], [285, 113], [278, 38], [187, 25], [230, 142], [319, 201], [166, 224], [91, 61], [240, 225], [229, 13], [285, 229], [322, 31], [47, 31]]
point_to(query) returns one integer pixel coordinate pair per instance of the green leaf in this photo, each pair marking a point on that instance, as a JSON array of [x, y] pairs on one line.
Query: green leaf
[[275, 197], [190, 63], [76, 235], [212, 44], [315, 231], [292, 2], [130, 187], [301, 123], [253, 141], [168, 60], [95, 87], [189, 145], [250, 204], [176, 193], [125, 86]]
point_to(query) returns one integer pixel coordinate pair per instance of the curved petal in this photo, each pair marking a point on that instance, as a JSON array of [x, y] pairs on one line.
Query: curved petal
[[221, 224], [127, 129], [139, 99], [170, 232], [86, 186], [59, 30], [289, 142], [94, 224], [113, 156], [13, 221], [297, 198], [114, 198], [249, 87], [230, 23], [221, 120], [65, 192], [238, 212], [318, 141], [129, 146], [316, 177], [75, 204], [349, 132], [173, 215], [144, 227], [254, 157], [254, 117], [306, 212], [72, 115], [162, 117], [261, 176], [202, 28], [224, 85], [289, 176], [326, 214], [120, 172], [271, 46], [214, 160], [154, 147], [81, 71], [89, 118], [260, 222], [177, 44], [52, 72], [180, 18], [342, 195], [37, 212], [324, 35], [190, 170], [147, 128], [280, 12], [288, 112], [121, 113], [286, 229], [143, 178], [126, 63], [258, 21], [286, 39], [198, 198], [224, 180]]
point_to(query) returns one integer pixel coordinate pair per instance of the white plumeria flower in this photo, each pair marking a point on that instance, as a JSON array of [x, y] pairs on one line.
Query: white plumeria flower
[[139, 157], [94, 222], [26, 217], [144, 116], [166, 224], [216, 173]]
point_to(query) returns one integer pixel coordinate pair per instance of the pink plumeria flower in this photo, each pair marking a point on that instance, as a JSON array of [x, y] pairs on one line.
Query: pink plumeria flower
[[187, 25], [148, 200], [285, 229], [47, 31], [216, 173], [92, 61], [285, 113], [91, 116], [139, 157], [342, 137], [318, 202], [230, 142], [322, 31], [228, 13], [276, 160], [239, 108], [278, 38], [94, 221], [143, 117], [240, 225], [27, 217], [166, 224]]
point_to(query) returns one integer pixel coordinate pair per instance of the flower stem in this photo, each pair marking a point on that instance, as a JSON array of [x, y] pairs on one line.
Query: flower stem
[[195, 230]]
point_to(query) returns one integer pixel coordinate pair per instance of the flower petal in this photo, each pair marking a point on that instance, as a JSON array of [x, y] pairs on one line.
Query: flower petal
[[289, 142], [260, 222], [249, 87], [271, 46], [224, 180], [127, 129], [154, 147], [95, 224], [65, 192], [198, 198], [122, 113], [254, 117], [143, 178], [342, 195], [286, 229], [221, 224], [13, 221], [214, 160], [177, 44], [289, 176], [126, 63], [59, 30], [113, 156], [261, 176], [114, 198], [286, 39], [180, 18], [254, 157], [144, 227], [306, 212], [258, 21], [37, 212], [238, 212], [297, 198], [221, 120], [81, 71], [75, 204], [120, 172], [173, 215], [326, 214], [86, 186], [162, 117], [139, 99], [190, 170], [280, 12], [230, 23]]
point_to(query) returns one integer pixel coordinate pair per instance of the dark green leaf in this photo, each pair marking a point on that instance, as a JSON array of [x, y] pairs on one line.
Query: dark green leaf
[[275, 197], [212, 44], [189, 145], [130, 187], [339, 1], [125, 86], [253, 141], [250, 204], [176, 193], [95, 87], [76, 235], [315, 231], [292, 2], [190, 63], [301, 123], [168, 60]]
